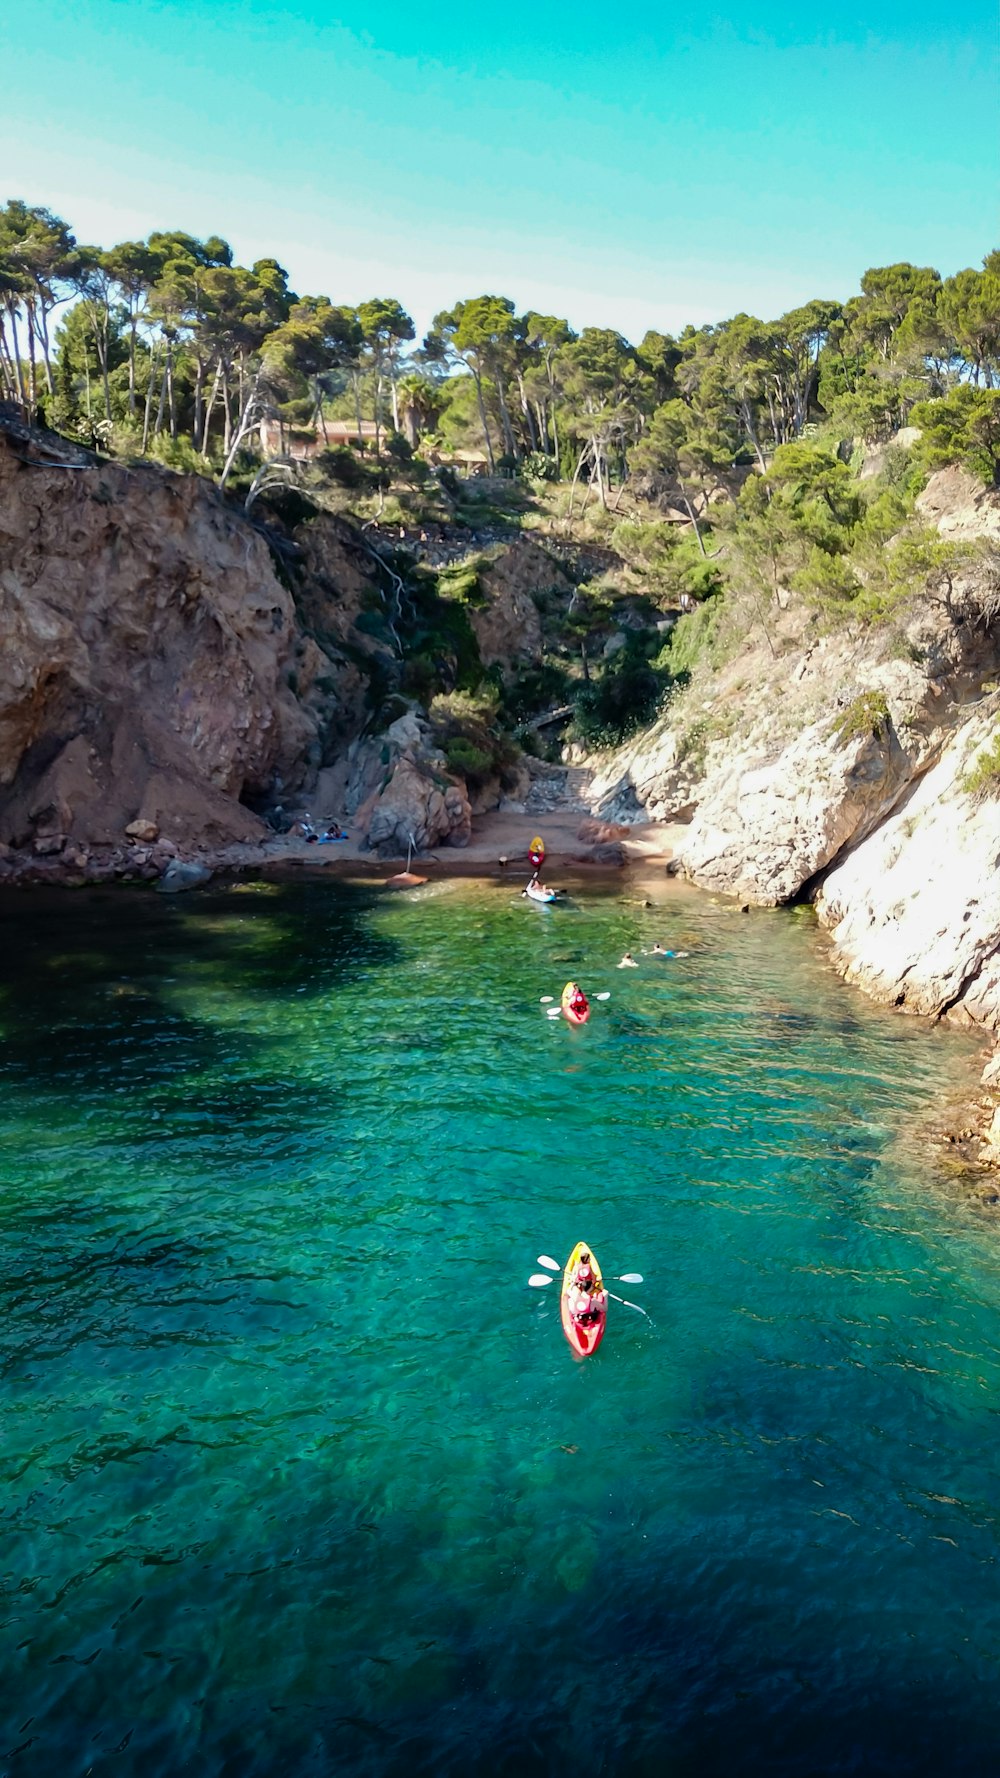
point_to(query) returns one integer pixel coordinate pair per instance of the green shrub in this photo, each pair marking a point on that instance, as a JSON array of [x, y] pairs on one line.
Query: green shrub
[[467, 728], [864, 715], [536, 466], [533, 689], [693, 742], [343, 466], [983, 777], [626, 696], [962, 427], [691, 640], [179, 454], [459, 582], [466, 758]]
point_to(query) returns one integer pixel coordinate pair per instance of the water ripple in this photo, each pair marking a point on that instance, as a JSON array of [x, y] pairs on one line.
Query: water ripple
[[299, 1476]]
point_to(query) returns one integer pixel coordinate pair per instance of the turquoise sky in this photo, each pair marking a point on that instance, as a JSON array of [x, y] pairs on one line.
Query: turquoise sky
[[629, 167]]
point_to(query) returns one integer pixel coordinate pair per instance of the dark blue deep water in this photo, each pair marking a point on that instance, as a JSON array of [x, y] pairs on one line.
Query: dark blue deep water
[[299, 1477]]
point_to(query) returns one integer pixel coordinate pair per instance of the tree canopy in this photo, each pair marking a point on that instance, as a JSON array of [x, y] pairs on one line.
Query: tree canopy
[[171, 339]]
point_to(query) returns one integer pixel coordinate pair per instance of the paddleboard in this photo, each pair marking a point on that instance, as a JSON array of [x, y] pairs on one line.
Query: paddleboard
[[537, 893]]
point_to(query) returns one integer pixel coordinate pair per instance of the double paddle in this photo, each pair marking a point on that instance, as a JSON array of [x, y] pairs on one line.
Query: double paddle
[[539, 1279]]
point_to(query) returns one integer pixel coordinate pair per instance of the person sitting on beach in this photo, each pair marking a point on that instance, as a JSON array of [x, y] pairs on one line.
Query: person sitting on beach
[[628, 961], [334, 832]]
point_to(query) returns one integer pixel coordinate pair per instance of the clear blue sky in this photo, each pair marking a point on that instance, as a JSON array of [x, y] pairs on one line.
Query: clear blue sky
[[636, 167]]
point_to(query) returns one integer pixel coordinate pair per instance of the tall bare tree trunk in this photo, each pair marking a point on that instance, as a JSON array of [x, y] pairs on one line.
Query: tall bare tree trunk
[[318, 413], [32, 374], [508, 431], [576, 476], [162, 408], [378, 414], [227, 435], [477, 379], [162, 404], [209, 409], [6, 363], [149, 397], [356, 384], [18, 366], [133, 324], [170, 390], [199, 388]]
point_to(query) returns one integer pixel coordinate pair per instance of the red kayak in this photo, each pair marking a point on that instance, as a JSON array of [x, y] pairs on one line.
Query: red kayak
[[583, 1336], [574, 1004]]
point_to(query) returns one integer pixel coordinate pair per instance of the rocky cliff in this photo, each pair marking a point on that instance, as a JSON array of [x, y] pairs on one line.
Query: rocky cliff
[[841, 768], [171, 669], [149, 657]]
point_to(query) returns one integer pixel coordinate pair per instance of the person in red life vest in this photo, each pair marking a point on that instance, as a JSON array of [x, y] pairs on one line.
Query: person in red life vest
[[584, 1274], [577, 1001], [588, 1300]]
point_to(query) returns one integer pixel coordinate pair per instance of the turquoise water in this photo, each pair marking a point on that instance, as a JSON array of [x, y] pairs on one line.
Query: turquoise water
[[298, 1474]]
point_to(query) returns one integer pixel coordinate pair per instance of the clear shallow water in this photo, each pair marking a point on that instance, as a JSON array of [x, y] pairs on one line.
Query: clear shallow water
[[289, 1483]]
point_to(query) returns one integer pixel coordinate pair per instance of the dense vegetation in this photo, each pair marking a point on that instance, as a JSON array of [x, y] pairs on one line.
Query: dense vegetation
[[720, 460], [171, 336]]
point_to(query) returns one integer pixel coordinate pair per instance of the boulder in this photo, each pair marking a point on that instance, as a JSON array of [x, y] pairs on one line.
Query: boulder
[[600, 833], [144, 831], [610, 853], [418, 808], [182, 874]]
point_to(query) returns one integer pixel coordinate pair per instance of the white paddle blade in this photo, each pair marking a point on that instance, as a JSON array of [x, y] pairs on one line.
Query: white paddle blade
[[537, 1279], [602, 996], [552, 1012], [545, 1259], [546, 999], [630, 1278]]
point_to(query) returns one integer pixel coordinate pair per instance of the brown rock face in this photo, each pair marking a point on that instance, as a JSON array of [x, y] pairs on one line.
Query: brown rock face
[[148, 652], [508, 628], [401, 794]]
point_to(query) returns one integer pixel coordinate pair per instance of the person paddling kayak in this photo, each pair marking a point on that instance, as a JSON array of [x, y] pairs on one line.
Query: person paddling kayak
[[588, 1298], [575, 1004], [583, 1302]]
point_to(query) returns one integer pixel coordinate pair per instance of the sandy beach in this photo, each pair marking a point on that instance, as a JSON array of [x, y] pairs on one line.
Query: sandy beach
[[499, 835]]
